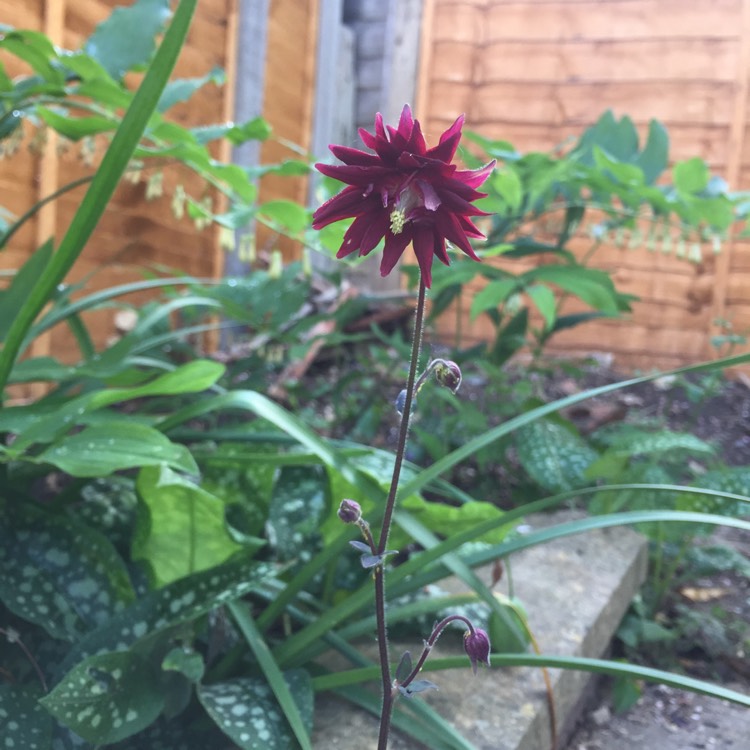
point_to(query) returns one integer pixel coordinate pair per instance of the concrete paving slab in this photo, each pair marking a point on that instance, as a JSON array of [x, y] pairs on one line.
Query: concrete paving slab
[[575, 591]]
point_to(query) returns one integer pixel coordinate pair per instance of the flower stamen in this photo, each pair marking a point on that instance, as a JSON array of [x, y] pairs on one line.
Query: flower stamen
[[398, 220]]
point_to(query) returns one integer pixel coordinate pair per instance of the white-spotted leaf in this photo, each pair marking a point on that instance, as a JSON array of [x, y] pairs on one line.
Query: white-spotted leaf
[[185, 661], [24, 724], [246, 711], [179, 602], [108, 697], [554, 456], [58, 573]]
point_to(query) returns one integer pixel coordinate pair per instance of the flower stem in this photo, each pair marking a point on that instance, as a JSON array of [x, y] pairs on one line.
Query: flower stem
[[385, 667]]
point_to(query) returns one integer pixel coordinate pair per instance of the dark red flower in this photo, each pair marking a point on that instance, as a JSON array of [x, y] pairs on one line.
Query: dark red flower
[[405, 193]]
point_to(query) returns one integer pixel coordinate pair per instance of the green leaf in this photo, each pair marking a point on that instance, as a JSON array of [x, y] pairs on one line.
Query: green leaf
[[626, 174], [654, 158], [691, 176], [175, 604], [291, 216], [492, 295], [76, 128], [544, 298], [299, 502], [127, 38], [181, 89], [108, 697], [297, 704], [118, 444], [36, 49], [553, 455], [734, 479], [58, 573], [21, 284], [446, 520], [640, 442], [246, 711], [181, 527], [185, 661], [189, 378], [256, 129], [592, 286], [508, 184], [25, 724]]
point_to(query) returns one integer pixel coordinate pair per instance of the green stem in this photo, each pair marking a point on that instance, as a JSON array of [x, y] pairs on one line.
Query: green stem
[[382, 629]]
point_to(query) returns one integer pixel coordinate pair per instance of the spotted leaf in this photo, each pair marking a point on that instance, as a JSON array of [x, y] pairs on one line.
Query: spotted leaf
[[179, 602], [59, 573], [24, 724], [108, 697], [247, 712]]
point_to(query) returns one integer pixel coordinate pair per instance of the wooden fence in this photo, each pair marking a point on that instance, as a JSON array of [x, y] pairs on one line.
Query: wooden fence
[[136, 233], [535, 72]]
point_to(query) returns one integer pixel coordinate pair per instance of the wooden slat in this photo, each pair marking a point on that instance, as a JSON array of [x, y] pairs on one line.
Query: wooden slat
[[632, 19], [628, 60]]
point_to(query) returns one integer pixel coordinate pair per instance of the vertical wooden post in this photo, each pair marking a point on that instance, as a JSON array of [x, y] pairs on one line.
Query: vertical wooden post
[[736, 142], [53, 25]]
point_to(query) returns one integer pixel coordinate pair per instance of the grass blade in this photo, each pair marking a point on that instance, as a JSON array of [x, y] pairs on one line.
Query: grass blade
[[271, 671]]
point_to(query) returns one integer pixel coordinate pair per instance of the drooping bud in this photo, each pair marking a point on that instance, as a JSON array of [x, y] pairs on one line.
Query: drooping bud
[[477, 647], [448, 374], [350, 511]]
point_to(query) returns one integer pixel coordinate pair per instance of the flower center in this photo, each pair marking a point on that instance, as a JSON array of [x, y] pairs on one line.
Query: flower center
[[408, 199], [398, 220]]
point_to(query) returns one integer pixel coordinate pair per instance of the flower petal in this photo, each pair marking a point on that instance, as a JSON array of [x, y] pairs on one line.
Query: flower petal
[[395, 244], [446, 148], [424, 249]]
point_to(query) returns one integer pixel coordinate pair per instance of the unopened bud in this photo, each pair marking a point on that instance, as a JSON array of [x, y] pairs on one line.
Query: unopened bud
[[448, 374], [477, 647], [350, 511]]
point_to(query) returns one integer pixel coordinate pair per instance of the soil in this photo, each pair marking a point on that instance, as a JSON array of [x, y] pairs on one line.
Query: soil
[[665, 719]]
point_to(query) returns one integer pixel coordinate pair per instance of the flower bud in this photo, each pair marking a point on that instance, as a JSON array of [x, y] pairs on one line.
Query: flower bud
[[350, 511], [477, 647], [448, 374]]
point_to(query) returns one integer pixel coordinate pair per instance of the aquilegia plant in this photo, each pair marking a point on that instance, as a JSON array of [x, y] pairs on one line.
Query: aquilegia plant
[[405, 193]]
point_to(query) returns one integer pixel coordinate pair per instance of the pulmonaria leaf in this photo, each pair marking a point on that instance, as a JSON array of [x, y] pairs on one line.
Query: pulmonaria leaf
[[554, 456], [59, 573], [300, 500], [246, 710], [107, 698], [25, 724], [177, 603]]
